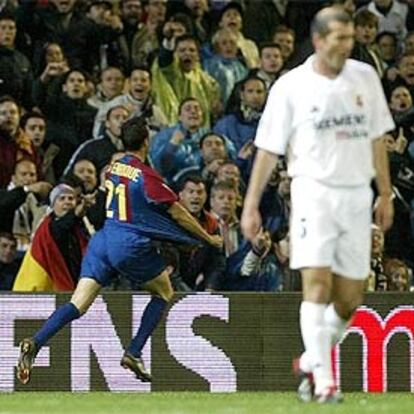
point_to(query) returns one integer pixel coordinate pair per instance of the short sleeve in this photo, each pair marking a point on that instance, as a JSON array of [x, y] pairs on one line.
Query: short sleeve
[[381, 120], [157, 191], [275, 125]]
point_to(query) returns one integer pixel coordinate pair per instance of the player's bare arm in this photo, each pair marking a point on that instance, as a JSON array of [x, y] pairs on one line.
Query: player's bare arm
[[186, 220], [251, 221], [384, 209]]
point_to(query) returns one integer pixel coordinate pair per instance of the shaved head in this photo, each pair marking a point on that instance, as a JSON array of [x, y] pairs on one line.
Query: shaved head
[[321, 21]]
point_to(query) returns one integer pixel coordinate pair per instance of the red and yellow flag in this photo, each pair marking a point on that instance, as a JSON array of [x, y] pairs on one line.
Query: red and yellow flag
[[44, 268]]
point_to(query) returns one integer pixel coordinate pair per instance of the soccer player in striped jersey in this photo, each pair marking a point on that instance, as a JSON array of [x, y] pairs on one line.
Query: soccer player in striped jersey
[[140, 209]]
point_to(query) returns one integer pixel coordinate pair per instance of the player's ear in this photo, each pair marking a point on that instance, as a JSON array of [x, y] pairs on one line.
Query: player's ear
[[316, 40]]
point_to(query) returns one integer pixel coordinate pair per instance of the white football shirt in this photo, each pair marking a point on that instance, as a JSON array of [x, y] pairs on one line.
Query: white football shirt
[[326, 126]]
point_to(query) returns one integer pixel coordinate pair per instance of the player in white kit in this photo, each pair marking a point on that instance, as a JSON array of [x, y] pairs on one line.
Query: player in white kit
[[328, 117]]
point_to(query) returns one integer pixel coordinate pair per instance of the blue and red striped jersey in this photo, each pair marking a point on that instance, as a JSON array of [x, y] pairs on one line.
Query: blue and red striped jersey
[[138, 198]]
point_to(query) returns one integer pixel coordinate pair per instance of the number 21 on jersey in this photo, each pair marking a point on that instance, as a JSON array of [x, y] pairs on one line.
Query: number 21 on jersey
[[117, 194]]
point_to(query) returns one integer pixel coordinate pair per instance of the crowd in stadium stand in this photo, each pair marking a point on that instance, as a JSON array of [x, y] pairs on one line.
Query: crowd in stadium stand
[[73, 71]]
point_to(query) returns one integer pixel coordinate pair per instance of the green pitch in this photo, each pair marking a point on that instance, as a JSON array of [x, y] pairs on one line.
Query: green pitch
[[197, 403]]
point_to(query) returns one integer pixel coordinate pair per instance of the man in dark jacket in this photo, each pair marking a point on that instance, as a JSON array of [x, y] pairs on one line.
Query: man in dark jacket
[[240, 124], [366, 29], [99, 151], [70, 116], [198, 268]]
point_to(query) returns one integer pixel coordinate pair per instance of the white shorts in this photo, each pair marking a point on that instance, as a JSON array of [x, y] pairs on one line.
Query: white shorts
[[331, 227]]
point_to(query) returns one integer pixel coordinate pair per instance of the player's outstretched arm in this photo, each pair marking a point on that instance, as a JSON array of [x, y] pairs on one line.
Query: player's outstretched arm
[[384, 209], [251, 221], [187, 221]]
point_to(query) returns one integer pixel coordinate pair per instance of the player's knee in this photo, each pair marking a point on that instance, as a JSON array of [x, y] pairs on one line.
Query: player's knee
[[165, 289], [83, 309], [346, 309], [317, 285], [317, 292], [167, 294]]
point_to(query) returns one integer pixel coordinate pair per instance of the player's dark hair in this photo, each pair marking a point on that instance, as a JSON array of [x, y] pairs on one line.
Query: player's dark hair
[[190, 178], [322, 20], [134, 133]]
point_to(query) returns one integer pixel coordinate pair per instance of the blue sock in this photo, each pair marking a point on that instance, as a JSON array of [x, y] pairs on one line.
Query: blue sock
[[59, 318], [150, 318]]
